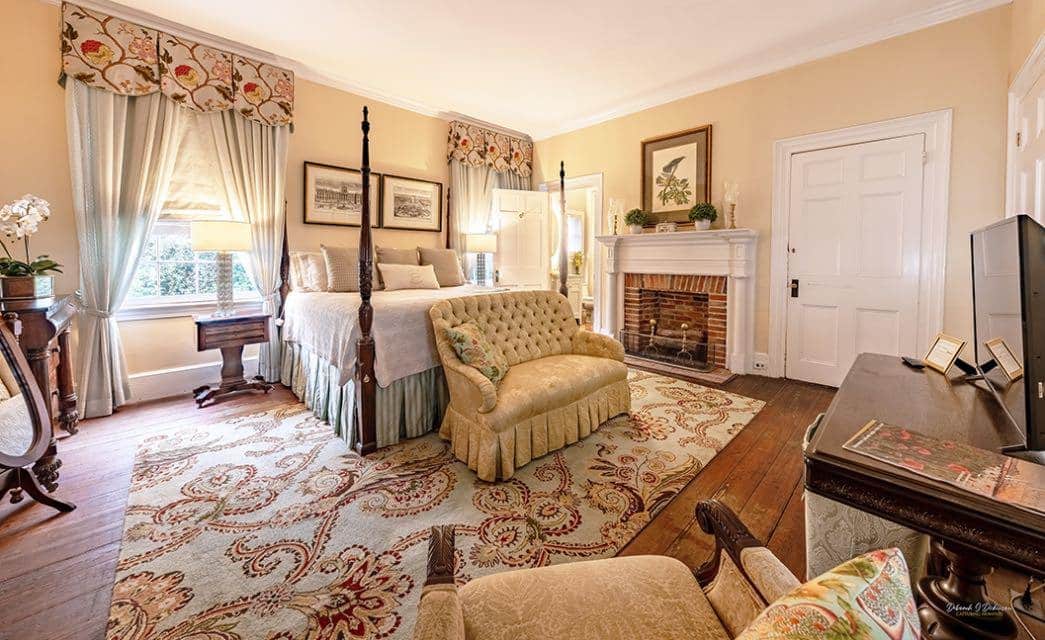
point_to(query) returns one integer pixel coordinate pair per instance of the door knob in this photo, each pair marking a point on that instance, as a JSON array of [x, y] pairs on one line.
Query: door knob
[[793, 287]]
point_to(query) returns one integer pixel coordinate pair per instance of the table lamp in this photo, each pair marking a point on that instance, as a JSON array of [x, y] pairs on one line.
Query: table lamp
[[224, 237], [480, 244]]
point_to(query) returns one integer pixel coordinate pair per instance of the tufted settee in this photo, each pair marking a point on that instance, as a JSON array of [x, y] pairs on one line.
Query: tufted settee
[[563, 382]]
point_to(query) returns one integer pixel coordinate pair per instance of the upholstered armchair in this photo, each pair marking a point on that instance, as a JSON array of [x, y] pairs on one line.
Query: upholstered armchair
[[561, 384], [652, 597]]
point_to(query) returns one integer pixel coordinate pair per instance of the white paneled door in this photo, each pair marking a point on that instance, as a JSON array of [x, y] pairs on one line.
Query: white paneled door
[[1027, 150], [521, 218], [854, 255]]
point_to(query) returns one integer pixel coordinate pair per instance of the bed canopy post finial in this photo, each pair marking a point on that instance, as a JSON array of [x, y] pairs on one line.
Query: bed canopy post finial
[[563, 231], [366, 384]]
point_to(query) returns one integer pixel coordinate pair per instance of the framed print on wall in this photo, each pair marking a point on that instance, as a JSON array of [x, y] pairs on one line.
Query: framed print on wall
[[333, 195], [409, 203], [676, 173]]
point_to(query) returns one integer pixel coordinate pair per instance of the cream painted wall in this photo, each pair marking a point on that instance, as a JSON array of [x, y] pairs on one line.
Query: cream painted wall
[[1028, 24], [34, 159], [962, 65]]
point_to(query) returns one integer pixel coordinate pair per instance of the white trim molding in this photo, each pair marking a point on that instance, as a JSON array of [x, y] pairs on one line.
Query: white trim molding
[[164, 383], [936, 127], [1032, 69], [725, 252]]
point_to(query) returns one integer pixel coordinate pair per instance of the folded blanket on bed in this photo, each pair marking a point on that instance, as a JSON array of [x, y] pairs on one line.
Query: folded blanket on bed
[[328, 324]]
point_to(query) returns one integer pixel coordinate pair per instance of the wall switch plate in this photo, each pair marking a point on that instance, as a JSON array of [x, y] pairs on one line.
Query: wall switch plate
[[760, 362]]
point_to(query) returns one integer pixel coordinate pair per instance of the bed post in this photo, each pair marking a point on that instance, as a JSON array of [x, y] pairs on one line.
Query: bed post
[[563, 258], [449, 229], [284, 271], [366, 385]]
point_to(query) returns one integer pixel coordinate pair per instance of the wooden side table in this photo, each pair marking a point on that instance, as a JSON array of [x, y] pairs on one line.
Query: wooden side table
[[231, 334]]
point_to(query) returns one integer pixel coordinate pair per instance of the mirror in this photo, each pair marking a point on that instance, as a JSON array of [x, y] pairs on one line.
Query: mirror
[[28, 453], [16, 425]]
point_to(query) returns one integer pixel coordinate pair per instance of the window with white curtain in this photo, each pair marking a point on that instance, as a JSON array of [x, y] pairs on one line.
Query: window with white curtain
[[170, 274]]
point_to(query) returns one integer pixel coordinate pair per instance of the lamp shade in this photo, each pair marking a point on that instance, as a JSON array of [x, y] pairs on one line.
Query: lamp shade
[[480, 243], [220, 235]]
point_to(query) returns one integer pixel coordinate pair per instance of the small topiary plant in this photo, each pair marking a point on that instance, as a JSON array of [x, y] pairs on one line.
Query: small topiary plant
[[636, 216], [703, 211]]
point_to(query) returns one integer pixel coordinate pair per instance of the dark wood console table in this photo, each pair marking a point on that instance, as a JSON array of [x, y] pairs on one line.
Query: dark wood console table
[[46, 324], [972, 532]]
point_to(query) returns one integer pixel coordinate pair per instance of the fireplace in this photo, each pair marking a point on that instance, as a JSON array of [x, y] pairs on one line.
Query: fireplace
[[701, 279], [676, 319]]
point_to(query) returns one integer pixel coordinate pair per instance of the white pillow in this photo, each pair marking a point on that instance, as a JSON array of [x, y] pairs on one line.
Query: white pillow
[[308, 272], [408, 276]]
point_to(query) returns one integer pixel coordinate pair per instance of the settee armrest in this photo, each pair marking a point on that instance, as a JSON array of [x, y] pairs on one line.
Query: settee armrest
[[757, 564], [589, 343], [439, 613], [468, 382]]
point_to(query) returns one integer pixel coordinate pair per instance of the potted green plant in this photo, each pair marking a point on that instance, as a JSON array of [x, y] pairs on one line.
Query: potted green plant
[[29, 278], [703, 214], [635, 219]]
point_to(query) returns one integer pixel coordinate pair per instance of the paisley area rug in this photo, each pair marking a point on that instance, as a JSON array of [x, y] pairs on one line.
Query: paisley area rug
[[267, 527]]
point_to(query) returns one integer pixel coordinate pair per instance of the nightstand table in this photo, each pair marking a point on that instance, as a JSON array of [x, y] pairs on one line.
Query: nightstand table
[[231, 334]]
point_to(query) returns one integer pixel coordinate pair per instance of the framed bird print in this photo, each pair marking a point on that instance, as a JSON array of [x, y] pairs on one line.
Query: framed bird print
[[676, 173]]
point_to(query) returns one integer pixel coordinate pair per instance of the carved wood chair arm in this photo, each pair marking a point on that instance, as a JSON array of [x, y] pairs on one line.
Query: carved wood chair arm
[[731, 536], [441, 555]]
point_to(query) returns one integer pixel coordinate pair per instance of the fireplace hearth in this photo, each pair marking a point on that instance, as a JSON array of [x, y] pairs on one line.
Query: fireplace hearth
[[676, 319]]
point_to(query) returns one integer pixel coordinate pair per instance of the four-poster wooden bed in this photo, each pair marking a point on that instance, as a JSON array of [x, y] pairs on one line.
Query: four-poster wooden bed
[[364, 374]]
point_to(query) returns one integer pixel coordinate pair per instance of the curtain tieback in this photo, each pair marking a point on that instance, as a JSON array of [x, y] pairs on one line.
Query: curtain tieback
[[82, 308], [105, 315]]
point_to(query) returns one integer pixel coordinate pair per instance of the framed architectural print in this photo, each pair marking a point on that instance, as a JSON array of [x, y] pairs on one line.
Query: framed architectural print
[[943, 352], [409, 203], [1005, 358], [333, 195], [676, 173]]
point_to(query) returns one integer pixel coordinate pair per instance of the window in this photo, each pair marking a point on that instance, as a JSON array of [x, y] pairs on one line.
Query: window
[[171, 277]]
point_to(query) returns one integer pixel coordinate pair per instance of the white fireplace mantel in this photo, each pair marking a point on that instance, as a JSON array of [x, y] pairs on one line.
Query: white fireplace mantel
[[726, 252]]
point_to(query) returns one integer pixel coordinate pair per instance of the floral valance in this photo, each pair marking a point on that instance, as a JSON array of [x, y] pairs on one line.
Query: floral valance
[[126, 58], [477, 146]]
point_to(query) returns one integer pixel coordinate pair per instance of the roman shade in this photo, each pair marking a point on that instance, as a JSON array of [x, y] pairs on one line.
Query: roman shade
[[106, 52]]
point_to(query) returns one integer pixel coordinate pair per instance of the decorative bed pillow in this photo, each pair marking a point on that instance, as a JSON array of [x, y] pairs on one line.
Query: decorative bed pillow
[[342, 266], [408, 276], [447, 265], [868, 597], [308, 271], [475, 350], [388, 255]]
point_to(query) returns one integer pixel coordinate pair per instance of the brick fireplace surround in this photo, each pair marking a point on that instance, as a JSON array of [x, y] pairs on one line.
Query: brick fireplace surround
[[673, 299]]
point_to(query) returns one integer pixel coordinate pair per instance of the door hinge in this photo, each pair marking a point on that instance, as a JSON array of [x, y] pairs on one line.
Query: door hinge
[[1019, 139]]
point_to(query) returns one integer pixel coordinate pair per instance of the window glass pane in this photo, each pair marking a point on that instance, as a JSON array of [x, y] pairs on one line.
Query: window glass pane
[[177, 278], [145, 283], [240, 277], [208, 273]]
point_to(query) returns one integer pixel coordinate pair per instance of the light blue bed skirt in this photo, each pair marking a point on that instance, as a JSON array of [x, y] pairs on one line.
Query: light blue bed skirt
[[407, 408]]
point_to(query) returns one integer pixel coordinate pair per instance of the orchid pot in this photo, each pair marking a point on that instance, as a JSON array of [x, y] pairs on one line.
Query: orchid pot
[[27, 278]]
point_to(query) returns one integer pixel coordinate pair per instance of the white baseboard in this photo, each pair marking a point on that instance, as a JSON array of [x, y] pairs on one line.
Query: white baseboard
[[163, 383]]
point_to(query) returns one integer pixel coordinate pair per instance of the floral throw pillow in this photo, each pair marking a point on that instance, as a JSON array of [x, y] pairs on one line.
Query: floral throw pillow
[[866, 598], [475, 350]]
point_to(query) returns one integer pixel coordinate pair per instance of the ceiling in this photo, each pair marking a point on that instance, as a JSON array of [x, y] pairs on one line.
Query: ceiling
[[544, 67]]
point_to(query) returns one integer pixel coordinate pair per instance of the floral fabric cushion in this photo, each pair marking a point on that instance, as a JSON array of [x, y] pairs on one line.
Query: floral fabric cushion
[[475, 350], [866, 598]]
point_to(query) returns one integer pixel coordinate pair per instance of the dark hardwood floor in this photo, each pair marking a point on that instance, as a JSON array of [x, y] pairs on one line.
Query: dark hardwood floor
[[56, 571]]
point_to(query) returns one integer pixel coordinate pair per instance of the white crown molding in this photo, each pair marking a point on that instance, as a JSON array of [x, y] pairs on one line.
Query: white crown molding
[[760, 66]]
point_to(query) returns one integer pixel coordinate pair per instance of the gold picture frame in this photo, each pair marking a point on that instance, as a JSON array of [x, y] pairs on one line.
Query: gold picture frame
[[1005, 358], [683, 160], [943, 352]]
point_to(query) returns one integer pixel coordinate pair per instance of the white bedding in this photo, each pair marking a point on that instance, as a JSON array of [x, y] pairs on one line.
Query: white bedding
[[328, 325]]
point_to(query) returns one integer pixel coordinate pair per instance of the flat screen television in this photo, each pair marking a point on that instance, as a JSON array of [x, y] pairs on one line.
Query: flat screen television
[[1008, 281]]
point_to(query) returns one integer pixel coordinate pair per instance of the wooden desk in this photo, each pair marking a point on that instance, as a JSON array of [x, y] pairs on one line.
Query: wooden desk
[[973, 532], [46, 324]]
